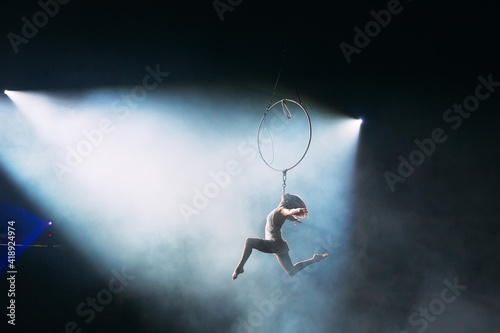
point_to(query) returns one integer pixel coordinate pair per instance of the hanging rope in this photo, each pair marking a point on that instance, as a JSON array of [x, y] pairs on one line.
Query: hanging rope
[[288, 114], [284, 181], [275, 86], [283, 62]]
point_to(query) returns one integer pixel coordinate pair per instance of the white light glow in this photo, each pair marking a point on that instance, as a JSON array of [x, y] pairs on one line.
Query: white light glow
[[115, 180]]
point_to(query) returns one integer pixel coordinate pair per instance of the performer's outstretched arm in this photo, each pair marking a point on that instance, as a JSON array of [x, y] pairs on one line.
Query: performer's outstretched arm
[[300, 212]]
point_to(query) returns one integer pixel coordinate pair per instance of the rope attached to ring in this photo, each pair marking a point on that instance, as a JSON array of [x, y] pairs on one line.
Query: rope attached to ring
[[284, 181], [288, 114]]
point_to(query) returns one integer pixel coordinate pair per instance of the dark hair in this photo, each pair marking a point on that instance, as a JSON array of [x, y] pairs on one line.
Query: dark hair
[[291, 201]]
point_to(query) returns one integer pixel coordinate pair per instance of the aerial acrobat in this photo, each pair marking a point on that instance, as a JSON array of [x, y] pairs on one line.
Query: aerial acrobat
[[291, 207]]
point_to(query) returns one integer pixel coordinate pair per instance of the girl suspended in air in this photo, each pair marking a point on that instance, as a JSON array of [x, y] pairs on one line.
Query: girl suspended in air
[[290, 208]]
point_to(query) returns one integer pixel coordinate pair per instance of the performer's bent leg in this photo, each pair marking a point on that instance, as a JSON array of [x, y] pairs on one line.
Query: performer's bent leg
[[250, 243], [292, 269]]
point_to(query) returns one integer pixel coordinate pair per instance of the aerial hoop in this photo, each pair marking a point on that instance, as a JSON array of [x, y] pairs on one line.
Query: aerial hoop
[[288, 114]]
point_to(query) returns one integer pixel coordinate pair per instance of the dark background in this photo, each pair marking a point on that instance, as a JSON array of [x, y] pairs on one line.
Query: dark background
[[426, 59]]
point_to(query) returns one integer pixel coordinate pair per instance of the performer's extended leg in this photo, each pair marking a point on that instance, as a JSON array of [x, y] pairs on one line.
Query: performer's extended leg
[[292, 269], [250, 243]]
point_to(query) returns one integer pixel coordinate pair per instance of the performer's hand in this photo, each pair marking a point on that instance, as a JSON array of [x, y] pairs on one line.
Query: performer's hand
[[302, 212]]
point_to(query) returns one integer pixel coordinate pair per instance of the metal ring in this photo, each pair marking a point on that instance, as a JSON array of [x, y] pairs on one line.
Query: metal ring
[[310, 133]]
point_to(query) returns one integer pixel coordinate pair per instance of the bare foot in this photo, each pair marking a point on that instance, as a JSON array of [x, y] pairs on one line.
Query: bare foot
[[319, 257], [237, 271]]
